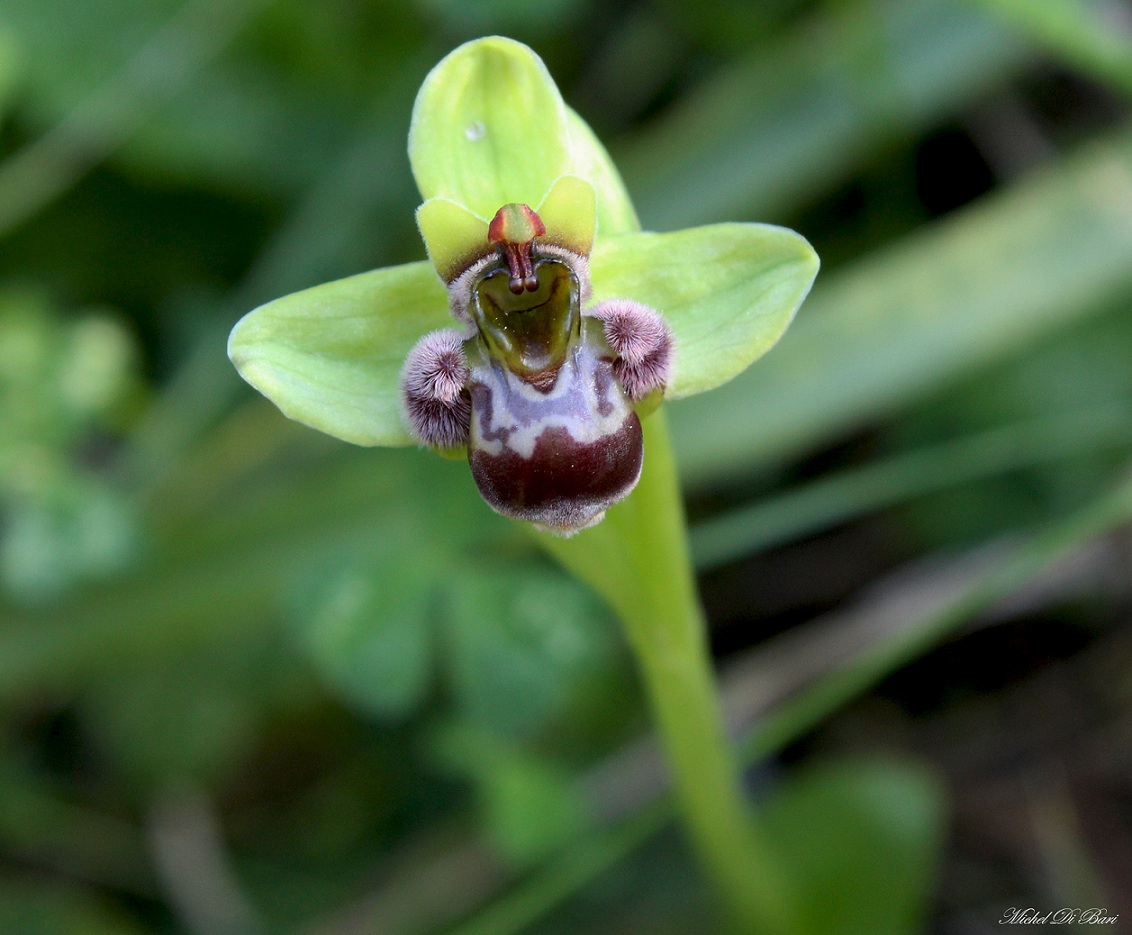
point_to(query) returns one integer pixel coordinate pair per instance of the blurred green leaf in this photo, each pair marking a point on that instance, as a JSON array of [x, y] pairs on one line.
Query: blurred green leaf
[[190, 716], [1094, 36], [59, 377], [62, 382], [862, 843], [845, 495], [962, 294], [11, 69], [223, 575], [31, 908], [265, 117], [799, 113], [369, 629], [521, 641], [99, 122], [44, 822], [1071, 398], [78, 530], [73, 46], [484, 17], [531, 807]]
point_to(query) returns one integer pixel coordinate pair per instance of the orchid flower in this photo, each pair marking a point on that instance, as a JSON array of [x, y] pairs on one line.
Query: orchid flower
[[490, 134], [539, 338]]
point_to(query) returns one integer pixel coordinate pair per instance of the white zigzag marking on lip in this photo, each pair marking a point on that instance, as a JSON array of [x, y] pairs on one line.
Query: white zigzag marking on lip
[[572, 404]]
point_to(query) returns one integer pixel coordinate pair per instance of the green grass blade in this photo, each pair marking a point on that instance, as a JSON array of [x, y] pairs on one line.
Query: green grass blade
[[801, 113], [960, 295], [846, 495], [1093, 37]]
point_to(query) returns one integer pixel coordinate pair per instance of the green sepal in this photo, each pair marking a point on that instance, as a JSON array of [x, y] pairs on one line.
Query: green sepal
[[489, 128], [860, 842], [727, 291], [591, 161], [330, 357]]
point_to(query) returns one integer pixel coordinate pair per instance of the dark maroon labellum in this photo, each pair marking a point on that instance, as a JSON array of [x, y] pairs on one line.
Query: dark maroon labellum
[[554, 440], [560, 458]]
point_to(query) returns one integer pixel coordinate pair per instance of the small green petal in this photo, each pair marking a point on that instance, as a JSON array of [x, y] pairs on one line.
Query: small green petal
[[453, 236], [727, 291], [330, 357], [569, 212], [489, 128]]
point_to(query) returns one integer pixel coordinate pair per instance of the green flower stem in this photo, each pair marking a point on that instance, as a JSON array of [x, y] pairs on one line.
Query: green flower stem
[[638, 559]]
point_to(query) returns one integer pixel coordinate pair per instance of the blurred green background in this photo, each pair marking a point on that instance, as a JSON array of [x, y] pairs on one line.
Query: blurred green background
[[253, 680]]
